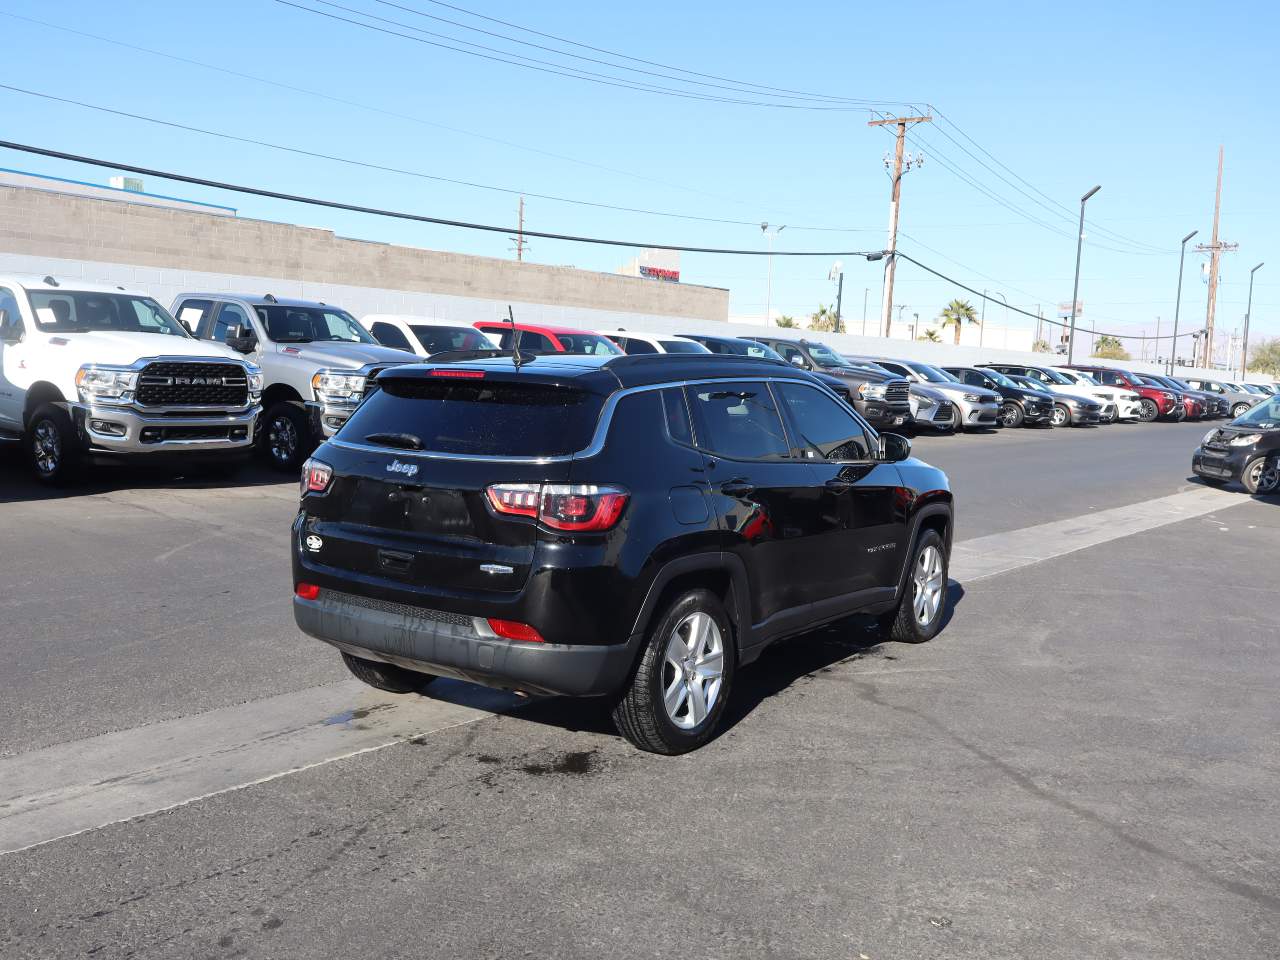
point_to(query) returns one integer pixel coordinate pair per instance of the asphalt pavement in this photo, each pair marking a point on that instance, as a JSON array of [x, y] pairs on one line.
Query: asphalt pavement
[[1083, 764]]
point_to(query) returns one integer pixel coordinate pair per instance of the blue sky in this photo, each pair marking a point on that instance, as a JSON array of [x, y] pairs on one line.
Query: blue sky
[[1134, 96]]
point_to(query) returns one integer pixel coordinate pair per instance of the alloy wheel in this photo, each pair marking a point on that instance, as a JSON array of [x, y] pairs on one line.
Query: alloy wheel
[[47, 447], [1269, 476], [1252, 480], [1060, 417], [1009, 415], [1147, 410], [693, 670], [927, 578], [282, 440]]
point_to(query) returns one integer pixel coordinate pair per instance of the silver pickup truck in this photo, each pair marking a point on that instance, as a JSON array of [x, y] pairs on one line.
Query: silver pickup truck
[[316, 360]]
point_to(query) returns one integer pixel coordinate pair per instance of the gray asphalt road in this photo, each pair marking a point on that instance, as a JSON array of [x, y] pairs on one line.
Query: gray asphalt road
[[1083, 764]]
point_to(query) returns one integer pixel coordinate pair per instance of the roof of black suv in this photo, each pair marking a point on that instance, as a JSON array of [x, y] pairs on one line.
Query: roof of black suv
[[602, 374]]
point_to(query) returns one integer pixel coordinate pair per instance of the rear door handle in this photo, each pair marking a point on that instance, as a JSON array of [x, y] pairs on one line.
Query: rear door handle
[[737, 487]]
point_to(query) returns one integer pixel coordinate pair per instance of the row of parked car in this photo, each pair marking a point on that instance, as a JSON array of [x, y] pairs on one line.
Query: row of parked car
[[92, 372]]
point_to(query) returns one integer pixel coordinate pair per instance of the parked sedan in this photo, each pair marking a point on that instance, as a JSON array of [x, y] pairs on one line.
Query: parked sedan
[[1190, 399], [1056, 381], [1019, 405], [1211, 405], [1069, 410], [1156, 402], [1240, 400], [976, 407], [1244, 450], [1128, 404]]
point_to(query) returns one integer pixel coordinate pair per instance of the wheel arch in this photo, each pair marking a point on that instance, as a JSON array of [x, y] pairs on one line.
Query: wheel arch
[[937, 515], [38, 394], [280, 392], [722, 573]]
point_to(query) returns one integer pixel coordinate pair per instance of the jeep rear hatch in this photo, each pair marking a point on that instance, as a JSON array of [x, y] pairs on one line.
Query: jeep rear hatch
[[434, 474]]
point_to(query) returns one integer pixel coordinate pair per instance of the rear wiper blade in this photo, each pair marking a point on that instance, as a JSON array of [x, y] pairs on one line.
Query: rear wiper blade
[[405, 441]]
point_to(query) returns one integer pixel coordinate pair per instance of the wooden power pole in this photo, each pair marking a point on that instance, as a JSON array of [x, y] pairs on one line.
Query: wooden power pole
[[1215, 248], [890, 261]]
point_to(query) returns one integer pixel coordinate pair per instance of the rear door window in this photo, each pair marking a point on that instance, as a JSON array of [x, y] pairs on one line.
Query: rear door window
[[738, 420], [389, 335], [677, 415], [193, 315], [533, 341], [478, 417]]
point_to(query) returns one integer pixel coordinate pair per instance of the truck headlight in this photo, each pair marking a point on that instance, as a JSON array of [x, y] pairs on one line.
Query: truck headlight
[[338, 386], [871, 391], [255, 380], [99, 382], [1248, 440]]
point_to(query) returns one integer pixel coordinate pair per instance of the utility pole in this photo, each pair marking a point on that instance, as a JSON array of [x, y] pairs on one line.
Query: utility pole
[[866, 292], [1215, 248], [1177, 304], [837, 274], [886, 313], [1075, 289], [768, 295], [519, 237]]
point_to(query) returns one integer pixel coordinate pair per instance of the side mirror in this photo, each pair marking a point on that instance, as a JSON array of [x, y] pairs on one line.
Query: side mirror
[[894, 447], [242, 340], [799, 362], [10, 328]]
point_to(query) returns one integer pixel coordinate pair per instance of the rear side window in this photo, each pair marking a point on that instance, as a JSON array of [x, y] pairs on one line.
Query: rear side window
[[825, 430], [681, 346], [738, 420], [478, 418], [390, 335], [633, 346], [588, 344], [192, 315], [532, 341], [677, 415]]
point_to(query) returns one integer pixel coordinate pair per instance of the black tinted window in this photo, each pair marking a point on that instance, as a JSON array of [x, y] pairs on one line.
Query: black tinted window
[[588, 344], [491, 419], [738, 420], [824, 428], [390, 335], [532, 341], [439, 339], [677, 415], [634, 346], [230, 317]]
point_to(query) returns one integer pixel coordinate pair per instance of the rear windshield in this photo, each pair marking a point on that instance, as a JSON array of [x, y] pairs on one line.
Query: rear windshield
[[682, 346], [589, 344], [477, 418]]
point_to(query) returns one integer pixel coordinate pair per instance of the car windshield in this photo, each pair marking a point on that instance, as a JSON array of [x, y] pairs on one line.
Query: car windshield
[[78, 311], [439, 339], [824, 356], [868, 365], [998, 377], [1030, 384], [1054, 375], [682, 346], [589, 344], [1149, 381], [1180, 384], [289, 324], [1265, 416], [1079, 377], [932, 374]]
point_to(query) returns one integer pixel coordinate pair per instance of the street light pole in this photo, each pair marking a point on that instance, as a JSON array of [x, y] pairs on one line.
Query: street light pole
[[837, 274], [1075, 289], [1177, 305], [1244, 350], [768, 295], [866, 292]]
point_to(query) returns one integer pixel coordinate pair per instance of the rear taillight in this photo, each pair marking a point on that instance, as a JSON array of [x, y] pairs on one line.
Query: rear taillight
[[573, 507], [316, 477], [514, 630]]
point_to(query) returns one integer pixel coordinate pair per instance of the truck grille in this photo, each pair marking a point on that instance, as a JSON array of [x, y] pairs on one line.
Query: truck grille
[[180, 384], [897, 391]]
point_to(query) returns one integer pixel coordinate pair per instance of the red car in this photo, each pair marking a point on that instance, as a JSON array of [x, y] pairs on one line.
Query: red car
[[1156, 402], [539, 338]]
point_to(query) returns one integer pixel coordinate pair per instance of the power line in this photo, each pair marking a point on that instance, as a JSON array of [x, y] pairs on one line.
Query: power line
[[415, 217], [543, 66], [730, 85], [299, 151]]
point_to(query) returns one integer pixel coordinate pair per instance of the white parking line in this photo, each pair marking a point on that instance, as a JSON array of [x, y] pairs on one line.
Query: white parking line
[[73, 787]]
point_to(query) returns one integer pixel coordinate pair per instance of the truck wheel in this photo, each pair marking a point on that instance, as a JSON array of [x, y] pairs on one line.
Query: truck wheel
[[1251, 475], [386, 676], [286, 435], [53, 445], [923, 606], [1011, 415], [679, 689], [1061, 416], [1239, 410]]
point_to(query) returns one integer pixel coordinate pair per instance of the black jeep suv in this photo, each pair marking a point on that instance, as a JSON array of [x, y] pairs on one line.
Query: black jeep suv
[[636, 527]]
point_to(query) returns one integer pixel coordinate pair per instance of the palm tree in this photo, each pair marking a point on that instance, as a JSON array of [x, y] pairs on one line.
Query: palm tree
[[823, 319], [786, 322], [931, 336], [956, 313]]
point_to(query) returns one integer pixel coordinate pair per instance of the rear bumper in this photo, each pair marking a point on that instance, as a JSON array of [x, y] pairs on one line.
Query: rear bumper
[[125, 431], [461, 647]]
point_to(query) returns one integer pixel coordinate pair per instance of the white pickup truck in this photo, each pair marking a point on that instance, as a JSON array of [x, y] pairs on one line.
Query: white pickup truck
[[91, 372], [317, 361]]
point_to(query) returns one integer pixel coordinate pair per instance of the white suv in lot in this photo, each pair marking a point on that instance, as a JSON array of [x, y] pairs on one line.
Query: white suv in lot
[[1128, 405], [635, 341], [424, 336], [91, 372], [317, 362]]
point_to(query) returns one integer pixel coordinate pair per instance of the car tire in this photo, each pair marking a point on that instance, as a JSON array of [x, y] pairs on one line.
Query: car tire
[[52, 446], [1061, 416], [1269, 479], [286, 435], [1239, 410], [1011, 415], [660, 710], [386, 676], [1148, 412], [923, 605], [1251, 475]]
